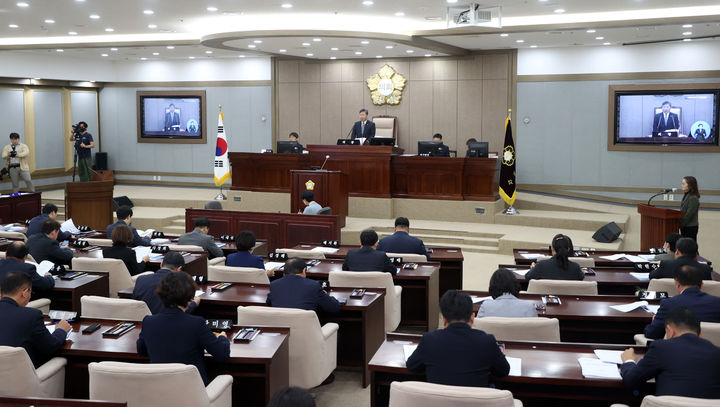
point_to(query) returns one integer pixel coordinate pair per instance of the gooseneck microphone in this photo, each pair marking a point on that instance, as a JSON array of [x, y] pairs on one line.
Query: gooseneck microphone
[[324, 162], [664, 191]]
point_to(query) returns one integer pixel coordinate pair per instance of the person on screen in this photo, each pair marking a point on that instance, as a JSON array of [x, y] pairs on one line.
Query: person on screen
[[363, 127], [294, 137], [666, 120], [700, 132], [445, 149], [172, 119]]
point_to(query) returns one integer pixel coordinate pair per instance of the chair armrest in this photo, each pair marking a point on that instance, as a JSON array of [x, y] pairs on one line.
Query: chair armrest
[[218, 261], [219, 391], [50, 368], [398, 290], [135, 277], [518, 403], [641, 340], [43, 304], [329, 329]]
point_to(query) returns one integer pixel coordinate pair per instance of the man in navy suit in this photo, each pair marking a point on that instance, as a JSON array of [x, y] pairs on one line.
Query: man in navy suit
[[24, 327], [293, 290], [688, 281], [146, 286], [458, 355], [445, 150], [367, 258], [293, 136], [401, 241], [45, 246], [363, 127], [14, 260], [172, 119], [49, 211], [686, 250], [683, 364], [124, 215], [665, 120]]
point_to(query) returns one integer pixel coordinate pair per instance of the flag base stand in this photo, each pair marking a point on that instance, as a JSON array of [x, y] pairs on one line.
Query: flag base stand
[[510, 210], [221, 196]]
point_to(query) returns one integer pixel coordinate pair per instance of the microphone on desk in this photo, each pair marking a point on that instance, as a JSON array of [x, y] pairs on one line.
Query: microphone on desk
[[323, 165], [665, 191]]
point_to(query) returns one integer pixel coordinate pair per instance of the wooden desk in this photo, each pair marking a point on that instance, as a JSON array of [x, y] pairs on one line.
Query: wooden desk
[[45, 402], [450, 258], [594, 254], [589, 318], [195, 262], [259, 368], [550, 374], [265, 172], [260, 248], [19, 208], [610, 280], [67, 293]]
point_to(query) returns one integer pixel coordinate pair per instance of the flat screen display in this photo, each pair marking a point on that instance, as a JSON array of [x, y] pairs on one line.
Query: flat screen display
[[171, 117]]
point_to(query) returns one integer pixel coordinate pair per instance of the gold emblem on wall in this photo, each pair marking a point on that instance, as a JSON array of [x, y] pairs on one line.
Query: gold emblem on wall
[[386, 86], [309, 185]]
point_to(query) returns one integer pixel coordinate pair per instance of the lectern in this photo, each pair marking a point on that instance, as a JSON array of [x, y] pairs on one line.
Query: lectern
[[655, 224], [330, 189], [89, 203]]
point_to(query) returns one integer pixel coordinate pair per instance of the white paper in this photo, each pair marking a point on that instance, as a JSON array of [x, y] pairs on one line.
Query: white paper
[[629, 307], [408, 350], [520, 272], [69, 226], [515, 366], [142, 251], [145, 233], [220, 244], [641, 276], [609, 356], [326, 250], [272, 265], [199, 293], [44, 267], [476, 299], [596, 368], [531, 256], [652, 308], [614, 257], [635, 259], [160, 241], [647, 257]]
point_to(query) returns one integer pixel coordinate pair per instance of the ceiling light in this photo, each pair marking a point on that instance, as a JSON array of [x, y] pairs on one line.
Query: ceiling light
[[143, 59], [687, 33], [152, 26], [212, 8], [317, 39], [590, 31], [156, 53], [109, 29], [428, 55], [60, 50], [258, 41], [333, 57], [286, 5], [191, 57], [533, 46], [252, 46], [170, 47], [358, 53], [72, 32], [559, 10], [13, 26], [22, 4], [368, 3], [49, 21], [687, 39], [82, 1], [452, 1], [606, 43], [378, 56], [208, 52], [519, 41], [148, 12], [687, 26], [365, 42], [282, 50], [599, 38], [399, 14], [94, 16], [103, 55], [504, 34], [241, 56], [305, 44], [389, 47], [113, 49], [333, 49], [309, 55], [409, 51]]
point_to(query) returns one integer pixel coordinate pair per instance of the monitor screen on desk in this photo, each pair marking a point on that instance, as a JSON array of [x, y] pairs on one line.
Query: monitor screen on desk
[[478, 149], [288, 147], [382, 141], [430, 148], [348, 142]]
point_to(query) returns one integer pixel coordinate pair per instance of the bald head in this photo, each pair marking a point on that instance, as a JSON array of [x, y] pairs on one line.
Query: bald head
[[18, 251]]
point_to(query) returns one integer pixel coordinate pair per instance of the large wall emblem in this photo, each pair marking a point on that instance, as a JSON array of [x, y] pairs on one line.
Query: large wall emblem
[[386, 86]]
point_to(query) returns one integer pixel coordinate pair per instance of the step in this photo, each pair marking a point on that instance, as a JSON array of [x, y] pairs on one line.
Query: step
[[562, 220], [436, 239], [428, 232]]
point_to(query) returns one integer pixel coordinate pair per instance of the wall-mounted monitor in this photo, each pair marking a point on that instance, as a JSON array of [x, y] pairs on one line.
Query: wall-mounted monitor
[[676, 117], [171, 117]]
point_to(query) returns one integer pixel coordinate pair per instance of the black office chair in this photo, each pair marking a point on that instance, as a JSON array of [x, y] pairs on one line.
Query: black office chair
[[213, 205], [325, 211]]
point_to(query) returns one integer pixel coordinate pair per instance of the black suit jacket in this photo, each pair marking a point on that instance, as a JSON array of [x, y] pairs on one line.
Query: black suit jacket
[[687, 366], [401, 242], [706, 306], [549, 269], [43, 248], [39, 283], [22, 326], [128, 257], [35, 226], [293, 291], [673, 122], [369, 130], [174, 336], [144, 290], [368, 259], [137, 240], [444, 153], [668, 267], [458, 356], [171, 120]]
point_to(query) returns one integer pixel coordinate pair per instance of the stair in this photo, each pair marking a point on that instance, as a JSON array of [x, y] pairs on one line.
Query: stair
[[563, 219]]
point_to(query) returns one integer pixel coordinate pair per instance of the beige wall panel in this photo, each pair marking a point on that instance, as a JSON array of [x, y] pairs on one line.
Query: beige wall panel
[[421, 70], [353, 99], [331, 113], [469, 112], [444, 109], [496, 66], [470, 67], [352, 71], [309, 72], [288, 71], [494, 111], [288, 109], [420, 104], [402, 112], [445, 70], [331, 72], [310, 112]]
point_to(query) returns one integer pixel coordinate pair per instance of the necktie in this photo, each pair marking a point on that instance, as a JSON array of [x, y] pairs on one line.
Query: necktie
[[362, 128], [666, 117]]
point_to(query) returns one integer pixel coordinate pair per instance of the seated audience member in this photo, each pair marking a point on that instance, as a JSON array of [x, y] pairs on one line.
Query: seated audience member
[[45, 246], [245, 241], [122, 237], [401, 241], [14, 260], [295, 137], [467, 144], [458, 355], [200, 237], [124, 216], [311, 207], [559, 267], [686, 250], [25, 327], [49, 211], [682, 365], [504, 303], [367, 258], [293, 290], [445, 149], [175, 336], [669, 246], [688, 281], [146, 286], [292, 397]]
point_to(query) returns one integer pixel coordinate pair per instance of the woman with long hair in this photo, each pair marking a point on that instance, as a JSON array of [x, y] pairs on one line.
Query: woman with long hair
[[689, 206]]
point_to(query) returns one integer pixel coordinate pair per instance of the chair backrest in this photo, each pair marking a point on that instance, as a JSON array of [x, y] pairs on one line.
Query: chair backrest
[[385, 126], [13, 235], [663, 284], [43, 304], [98, 242], [422, 394], [2, 255], [711, 287], [306, 339], [370, 279], [711, 332], [237, 275], [326, 210], [409, 257], [118, 273], [520, 329], [92, 306], [185, 248], [303, 254], [581, 261], [213, 205], [17, 374], [677, 401], [143, 384], [562, 287]]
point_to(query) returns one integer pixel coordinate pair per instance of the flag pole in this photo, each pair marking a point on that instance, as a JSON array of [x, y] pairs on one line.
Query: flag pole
[[220, 196], [508, 144]]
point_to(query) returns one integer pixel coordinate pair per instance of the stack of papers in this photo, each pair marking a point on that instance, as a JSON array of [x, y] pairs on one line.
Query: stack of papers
[[273, 265], [635, 259], [476, 299], [652, 308], [609, 356], [647, 257], [408, 350], [160, 241], [641, 276], [326, 250], [11, 228], [69, 226], [629, 257], [614, 257], [142, 251], [515, 366], [629, 307], [520, 272], [530, 256], [145, 233], [597, 369]]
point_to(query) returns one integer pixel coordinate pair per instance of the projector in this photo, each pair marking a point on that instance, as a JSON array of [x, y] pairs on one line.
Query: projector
[[473, 15]]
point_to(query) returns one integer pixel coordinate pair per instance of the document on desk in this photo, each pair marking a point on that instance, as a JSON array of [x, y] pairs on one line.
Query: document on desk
[[515, 366], [142, 251], [647, 257], [614, 257], [609, 356], [325, 250], [629, 307], [531, 256], [44, 267], [652, 308], [12, 228], [160, 241], [520, 272], [635, 259], [273, 265], [597, 369], [641, 276], [408, 350], [69, 226], [475, 299]]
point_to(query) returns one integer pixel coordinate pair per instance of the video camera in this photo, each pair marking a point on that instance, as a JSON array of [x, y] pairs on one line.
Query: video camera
[[3, 172], [78, 128]]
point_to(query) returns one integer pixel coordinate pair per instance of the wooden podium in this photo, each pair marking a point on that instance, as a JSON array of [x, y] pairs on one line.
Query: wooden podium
[[330, 188], [655, 224], [90, 203]]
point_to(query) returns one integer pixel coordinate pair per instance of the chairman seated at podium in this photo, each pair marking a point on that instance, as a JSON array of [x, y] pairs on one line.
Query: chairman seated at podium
[[666, 120], [172, 119], [363, 128]]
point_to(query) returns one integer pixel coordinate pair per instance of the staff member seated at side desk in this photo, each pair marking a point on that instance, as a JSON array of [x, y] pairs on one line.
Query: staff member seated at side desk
[[401, 241], [559, 267], [146, 286], [686, 250], [311, 207], [504, 290], [294, 137], [458, 355], [45, 246], [682, 365], [445, 149], [293, 290], [122, 237], [367, 258]]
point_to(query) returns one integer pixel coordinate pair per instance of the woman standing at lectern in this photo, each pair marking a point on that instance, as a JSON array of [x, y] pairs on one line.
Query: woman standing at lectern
[[689, 207]]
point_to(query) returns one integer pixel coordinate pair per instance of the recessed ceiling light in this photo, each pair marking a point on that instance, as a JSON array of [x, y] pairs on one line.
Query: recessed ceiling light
[[143, 59], [152, 26], [333, 57], [358, 53], [241, 56], [452, 1], [282, 50], [13, 26], [399, 14], [590, 31], [148, 12], [333, 49], [72, 32], [212, 8], [170, 47], [208, 52], [252, 46], [258, 41], [286, 5], [599, 38], [109, 29], [606, 43], [389, 46], [94, 16], [22, 4], [428, 55], [60, 50], [519, 41], [305, 44], [191, 57], [533, 46], [103, 55], [504, 34], [378, 56], [82, 1], [687, 26], [559, 10], [687, 39], [368, 3], [113, 49], [409, 51], [49, 21], [687, 33], [309, 55], [317, 39], [156, 53], [365, 42]]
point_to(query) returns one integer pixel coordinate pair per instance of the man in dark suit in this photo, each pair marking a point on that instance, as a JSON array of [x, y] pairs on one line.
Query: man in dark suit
[[45, 246], [24, 327], [294, 137], [688, 281], [49, 211], [666, 120], [172, 118], [363, 127], [145, 286], [700, 133], [401, 241], [293, 290], [124, 215], [686, 250], [445, 150], [15, 258], [683, 364], [367, 258], [458, 355], [200, 237], [669, 246]]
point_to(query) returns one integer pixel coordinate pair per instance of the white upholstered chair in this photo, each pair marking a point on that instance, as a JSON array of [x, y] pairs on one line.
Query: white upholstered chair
[[19, 378], [302, 254], [13, 235], [313, 349], [157, 385], [92, 306], [119, 275], [237, 275], [370, 279], [520, 329], [674, 401], [663, 284], [711, 332], [422, 394], [43, 304], [562, 287], [385, 127], [218, 261], [641, 340], [29, 257], [711, 287], [409, 257], [581, 261], [98, 242], [185, 248]]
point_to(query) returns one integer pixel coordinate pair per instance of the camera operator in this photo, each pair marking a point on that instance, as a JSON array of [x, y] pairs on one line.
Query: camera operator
[[15, 155], [83, 144]]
